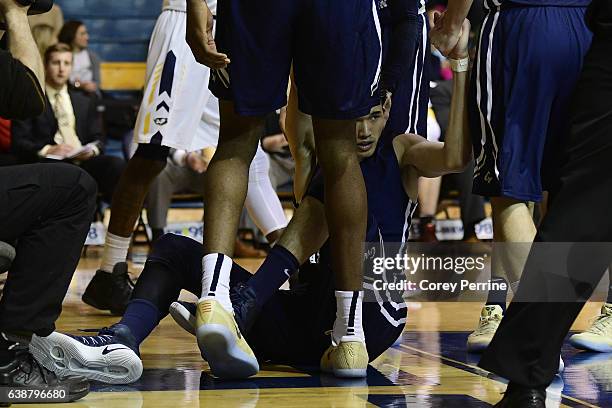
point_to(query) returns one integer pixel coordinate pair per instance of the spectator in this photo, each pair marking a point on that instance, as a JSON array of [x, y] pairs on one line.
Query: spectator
[[86, 68], [68, 129], [184, 173], [45, 210]]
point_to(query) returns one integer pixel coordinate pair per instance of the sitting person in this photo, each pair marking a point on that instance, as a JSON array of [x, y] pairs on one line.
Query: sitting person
[[69, 128], [85, 75], [274, 143], [185, 173], [286, 327]]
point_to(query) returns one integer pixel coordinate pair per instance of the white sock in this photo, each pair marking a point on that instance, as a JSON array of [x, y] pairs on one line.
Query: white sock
[[216, 279], [115, 251], [348, 326]]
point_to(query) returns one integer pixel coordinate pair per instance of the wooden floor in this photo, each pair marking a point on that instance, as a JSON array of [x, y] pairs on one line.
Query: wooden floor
[[429, 369]]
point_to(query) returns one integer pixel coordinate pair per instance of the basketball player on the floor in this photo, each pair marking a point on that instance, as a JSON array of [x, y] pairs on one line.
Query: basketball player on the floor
[[177, 111], [286, 327], [528, 61]]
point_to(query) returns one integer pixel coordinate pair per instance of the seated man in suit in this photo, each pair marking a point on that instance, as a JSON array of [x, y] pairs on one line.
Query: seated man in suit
[[69, 129]]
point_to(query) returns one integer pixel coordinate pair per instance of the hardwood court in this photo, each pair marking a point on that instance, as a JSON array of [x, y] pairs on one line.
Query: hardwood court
[[429, 369]]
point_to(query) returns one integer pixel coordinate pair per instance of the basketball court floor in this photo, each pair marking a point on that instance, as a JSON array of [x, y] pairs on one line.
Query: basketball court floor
[[430, 368]]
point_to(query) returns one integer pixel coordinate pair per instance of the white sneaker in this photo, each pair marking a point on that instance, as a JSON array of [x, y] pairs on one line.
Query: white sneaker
[[598, 337], [490, 317], [109, 357]]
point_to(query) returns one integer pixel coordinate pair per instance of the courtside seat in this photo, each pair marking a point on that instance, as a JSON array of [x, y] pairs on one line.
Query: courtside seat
[[88, 8]]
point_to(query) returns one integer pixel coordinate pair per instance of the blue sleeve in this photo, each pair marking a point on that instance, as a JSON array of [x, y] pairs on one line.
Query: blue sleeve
[[403, 42]]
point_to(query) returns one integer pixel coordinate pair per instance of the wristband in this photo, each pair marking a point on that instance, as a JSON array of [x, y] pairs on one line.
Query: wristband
[[459, 65]]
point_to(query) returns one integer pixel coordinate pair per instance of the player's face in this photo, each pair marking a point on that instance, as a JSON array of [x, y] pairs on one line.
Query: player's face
[[369, 129], [81, 37], [59, 68]]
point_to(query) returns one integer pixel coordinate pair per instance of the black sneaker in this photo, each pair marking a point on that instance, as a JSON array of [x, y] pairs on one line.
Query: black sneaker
[[522, 397], [25, 372], [110, 291], [246, 308]]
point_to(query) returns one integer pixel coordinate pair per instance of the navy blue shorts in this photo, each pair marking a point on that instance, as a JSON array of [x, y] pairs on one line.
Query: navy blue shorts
[[527, 65], [335, 48], [410, 100]]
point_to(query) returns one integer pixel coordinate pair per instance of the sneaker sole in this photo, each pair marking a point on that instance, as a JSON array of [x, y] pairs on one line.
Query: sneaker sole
[[477, 347], [183, 317], [219, 348], [350, 372], [590, 345], [66, 356]]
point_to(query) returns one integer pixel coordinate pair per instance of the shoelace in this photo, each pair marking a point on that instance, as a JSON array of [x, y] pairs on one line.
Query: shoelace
[[488, 325], [601, 325], [125, 277], [104, 337]]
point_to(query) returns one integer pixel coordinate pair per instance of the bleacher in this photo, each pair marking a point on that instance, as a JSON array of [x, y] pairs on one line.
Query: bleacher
[[119, 32]]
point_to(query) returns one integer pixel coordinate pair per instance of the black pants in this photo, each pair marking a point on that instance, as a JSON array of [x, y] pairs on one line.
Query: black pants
[[106, 170], [526, 347], [45, 210]]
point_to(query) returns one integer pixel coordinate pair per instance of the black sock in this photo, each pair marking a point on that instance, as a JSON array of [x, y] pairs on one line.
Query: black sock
[[609, 299], [426, 219], [498, 295]]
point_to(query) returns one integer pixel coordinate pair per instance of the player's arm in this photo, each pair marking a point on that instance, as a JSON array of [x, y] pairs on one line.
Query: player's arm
[[433, 159], [404, 15], [199, 35], [447, 30]]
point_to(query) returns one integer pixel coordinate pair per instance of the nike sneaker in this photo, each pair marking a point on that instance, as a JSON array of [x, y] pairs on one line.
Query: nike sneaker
[[111, 357]]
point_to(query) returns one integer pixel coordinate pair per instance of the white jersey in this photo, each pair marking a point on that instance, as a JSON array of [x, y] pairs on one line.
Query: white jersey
[[181, 5]]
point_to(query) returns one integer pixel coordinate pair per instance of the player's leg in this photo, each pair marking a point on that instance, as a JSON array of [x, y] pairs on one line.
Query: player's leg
[[112, 355], [110, 288], [166, 118], [298, 129], [334, 98], [262, 202], [248, 90]]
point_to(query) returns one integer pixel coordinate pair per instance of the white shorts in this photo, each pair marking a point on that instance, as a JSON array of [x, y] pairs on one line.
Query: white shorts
[[177, 109]]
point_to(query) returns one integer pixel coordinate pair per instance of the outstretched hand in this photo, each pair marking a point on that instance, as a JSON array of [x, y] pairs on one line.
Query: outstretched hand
[[200, 36], [444, 35], [461, 49]]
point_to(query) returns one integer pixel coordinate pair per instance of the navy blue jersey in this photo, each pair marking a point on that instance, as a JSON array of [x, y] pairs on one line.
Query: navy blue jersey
[[492, 4]]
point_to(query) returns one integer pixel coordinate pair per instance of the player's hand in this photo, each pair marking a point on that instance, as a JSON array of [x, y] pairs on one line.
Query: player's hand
[[200, 35], [61, 150], [12, 6], [444, 36], [195, 161], [461, 49]]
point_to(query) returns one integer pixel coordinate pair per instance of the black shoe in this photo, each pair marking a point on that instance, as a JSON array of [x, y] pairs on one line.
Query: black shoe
[[246, 308], [23, 371], [110, 291], [522, 397]]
